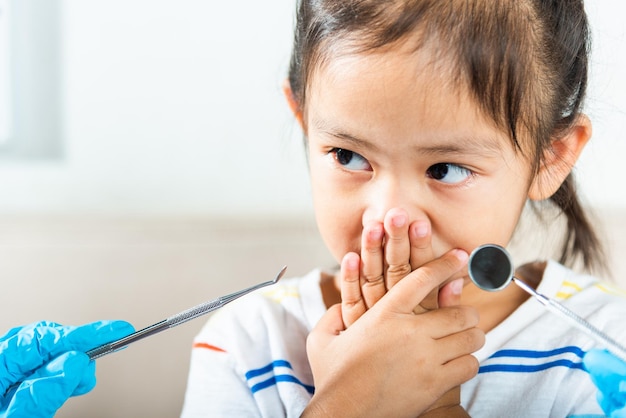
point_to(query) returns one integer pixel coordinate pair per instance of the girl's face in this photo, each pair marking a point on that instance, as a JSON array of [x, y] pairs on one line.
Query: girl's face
[[386, 131]]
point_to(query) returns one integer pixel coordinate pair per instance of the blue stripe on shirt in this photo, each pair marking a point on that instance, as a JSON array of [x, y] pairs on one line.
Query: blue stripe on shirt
[[532, 354], [274, 379], [268, 368], [529, 368], [281, 378], [538, 354]]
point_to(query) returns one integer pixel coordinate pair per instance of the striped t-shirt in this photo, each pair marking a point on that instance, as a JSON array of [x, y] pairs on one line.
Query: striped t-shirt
[[250, 359]]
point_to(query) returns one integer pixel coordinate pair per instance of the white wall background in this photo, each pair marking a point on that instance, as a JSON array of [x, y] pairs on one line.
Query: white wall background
[[175, 108]]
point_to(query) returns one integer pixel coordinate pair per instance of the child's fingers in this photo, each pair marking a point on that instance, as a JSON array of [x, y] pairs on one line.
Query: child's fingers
[[352, 302], [460, 343], [420, 238], [452, 352], [412, 290], [372, 261], [446, 321], [329, 326], [450, 293], [421, 243], [461, 369], [397, 246]]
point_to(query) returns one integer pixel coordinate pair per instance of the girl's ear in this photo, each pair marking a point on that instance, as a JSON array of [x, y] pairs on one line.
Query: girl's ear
[[559, 159], [293, 103]]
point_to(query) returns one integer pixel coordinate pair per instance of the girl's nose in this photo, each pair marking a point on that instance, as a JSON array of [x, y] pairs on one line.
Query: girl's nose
[[391, 194]]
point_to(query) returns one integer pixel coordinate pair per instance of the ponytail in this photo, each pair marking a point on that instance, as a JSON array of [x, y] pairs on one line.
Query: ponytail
[[581, 242]]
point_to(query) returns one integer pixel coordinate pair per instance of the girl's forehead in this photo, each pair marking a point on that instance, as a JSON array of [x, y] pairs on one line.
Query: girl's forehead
[[399, 77], [422, 84], [390, 97], [424, 70]]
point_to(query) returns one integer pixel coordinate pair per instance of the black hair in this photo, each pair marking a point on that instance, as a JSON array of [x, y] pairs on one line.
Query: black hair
[[524, 61]]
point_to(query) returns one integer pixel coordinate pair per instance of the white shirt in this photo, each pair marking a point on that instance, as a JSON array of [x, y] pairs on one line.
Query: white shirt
[[250, 359]]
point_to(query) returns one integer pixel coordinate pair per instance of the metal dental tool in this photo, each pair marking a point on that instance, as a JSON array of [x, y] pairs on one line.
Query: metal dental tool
[[490, 267], [177, 319]]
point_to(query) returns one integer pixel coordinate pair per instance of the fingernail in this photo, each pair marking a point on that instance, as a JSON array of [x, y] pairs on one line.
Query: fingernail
[[376, 233], [460, 254], [420, 230], [352, 262], [398, 220], [456, 286]]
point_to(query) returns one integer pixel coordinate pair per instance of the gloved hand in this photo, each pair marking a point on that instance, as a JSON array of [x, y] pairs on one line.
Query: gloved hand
[[50, 362], [609, 375]]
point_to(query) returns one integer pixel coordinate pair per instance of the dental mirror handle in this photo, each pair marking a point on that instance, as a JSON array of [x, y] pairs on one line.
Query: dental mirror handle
[[559, 309]]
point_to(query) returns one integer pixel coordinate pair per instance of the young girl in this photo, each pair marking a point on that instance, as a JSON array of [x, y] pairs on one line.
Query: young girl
[[429, 125]]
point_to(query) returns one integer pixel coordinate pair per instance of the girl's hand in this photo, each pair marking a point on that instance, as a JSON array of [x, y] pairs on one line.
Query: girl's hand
[[393, 362], [389, 252]]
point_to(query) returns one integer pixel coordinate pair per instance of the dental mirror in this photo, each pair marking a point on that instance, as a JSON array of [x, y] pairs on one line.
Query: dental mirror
[[490, 267]]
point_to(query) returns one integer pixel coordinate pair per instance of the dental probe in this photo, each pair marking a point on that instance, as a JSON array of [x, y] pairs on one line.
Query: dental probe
[[177, 319], [490, 267]]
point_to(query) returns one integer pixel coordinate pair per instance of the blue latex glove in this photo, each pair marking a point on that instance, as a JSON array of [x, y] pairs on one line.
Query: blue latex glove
[[609, 375], [50, 362]]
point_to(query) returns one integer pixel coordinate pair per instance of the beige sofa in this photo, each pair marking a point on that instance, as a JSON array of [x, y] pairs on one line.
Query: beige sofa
[[74, 270]]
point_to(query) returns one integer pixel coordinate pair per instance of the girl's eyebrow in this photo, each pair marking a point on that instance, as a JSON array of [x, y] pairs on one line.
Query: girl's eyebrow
[[352, 140], [487, 146], [458, 144], [330, 129]]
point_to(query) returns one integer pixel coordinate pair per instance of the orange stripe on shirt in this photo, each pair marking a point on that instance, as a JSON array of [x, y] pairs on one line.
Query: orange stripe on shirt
[[208, 347]]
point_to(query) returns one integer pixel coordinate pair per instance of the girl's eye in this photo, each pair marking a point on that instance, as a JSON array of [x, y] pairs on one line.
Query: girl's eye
[[350, 160], [448, 173]]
